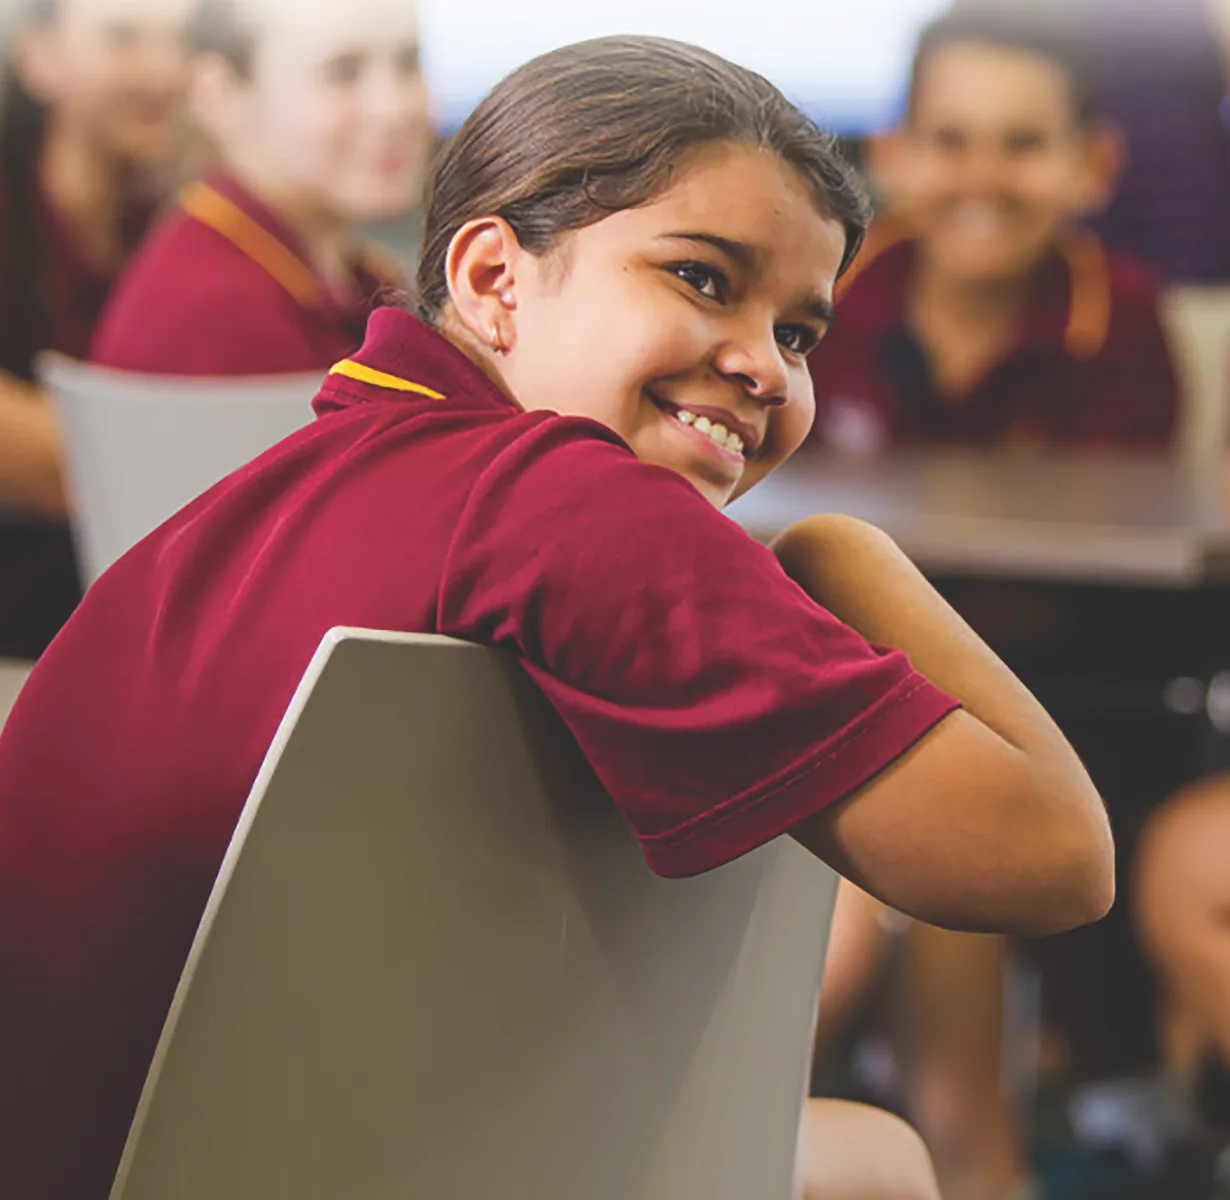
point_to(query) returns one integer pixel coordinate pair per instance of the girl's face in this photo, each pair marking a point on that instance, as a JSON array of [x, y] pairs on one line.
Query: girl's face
[[112, 69], [334, 118], [683, 325]]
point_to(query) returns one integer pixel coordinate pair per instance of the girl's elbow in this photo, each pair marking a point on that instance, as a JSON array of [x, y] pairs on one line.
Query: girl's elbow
[[1077, 887], [1093, 892]]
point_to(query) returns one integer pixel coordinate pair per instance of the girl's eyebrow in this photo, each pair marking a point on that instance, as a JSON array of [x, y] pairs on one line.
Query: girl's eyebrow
[[820, 308], [748, 258], [743, 255]]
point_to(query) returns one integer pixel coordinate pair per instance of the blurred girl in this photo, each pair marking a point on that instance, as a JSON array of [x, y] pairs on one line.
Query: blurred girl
[[90, 100], [630, 249], [318, 115]]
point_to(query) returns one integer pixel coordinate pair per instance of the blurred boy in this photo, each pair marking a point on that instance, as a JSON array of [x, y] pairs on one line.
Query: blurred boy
[[984, 314], [318, 116]]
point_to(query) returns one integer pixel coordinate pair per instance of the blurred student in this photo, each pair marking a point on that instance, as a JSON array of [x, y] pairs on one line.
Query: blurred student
[[985, 315], [1181, 898], [950, 1072], [90, 99], [318, 115], [613, 322], [1160, 76]]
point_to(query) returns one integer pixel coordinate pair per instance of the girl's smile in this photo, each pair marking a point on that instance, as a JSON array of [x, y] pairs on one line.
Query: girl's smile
[[682, 324]]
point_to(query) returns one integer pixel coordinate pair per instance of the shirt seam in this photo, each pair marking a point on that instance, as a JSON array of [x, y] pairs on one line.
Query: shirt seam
[[739, 806]]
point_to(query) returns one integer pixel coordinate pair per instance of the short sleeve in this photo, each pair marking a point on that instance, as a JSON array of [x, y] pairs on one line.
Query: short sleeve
[[717, 703]]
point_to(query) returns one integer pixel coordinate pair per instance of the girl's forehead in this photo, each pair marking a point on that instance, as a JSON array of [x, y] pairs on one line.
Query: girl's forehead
[[312, 29], [738, 185]]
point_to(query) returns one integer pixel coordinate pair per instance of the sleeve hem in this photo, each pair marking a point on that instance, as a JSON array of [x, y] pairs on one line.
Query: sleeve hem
[[745, 822]]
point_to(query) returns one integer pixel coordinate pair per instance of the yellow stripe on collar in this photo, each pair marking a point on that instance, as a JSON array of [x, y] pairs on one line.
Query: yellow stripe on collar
[[356, 370]]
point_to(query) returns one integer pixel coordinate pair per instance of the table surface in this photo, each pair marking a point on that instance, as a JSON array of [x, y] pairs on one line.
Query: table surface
[[1078, 518]]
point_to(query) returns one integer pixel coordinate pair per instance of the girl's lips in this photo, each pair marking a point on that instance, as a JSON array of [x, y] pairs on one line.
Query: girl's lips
[[751, 437], [728, 462], [732, 462]]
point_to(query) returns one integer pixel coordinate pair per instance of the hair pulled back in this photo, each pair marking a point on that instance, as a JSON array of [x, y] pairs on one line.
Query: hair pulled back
[[600, 126]]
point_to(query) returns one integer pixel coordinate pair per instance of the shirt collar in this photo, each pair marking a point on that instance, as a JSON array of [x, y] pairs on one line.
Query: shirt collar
[[229, 209], [402, 355], [1070, 310]]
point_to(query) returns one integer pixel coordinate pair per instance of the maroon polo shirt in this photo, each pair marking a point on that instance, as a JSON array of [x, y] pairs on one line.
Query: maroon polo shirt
[[223, 287], [718, 704], [1089, 368]]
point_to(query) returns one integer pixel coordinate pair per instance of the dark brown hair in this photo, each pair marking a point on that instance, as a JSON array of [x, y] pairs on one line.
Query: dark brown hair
[[1047, 31], [219, 27], [600, 126]]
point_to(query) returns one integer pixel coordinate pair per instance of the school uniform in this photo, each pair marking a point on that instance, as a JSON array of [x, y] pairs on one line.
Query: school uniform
[[716, 702], [39, 585], [1089, 367], [224, 287]]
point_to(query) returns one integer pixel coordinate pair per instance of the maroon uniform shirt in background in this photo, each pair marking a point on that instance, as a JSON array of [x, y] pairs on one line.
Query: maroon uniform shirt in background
[[1090, 368], [717, 703], [223, 287], [39, 586]]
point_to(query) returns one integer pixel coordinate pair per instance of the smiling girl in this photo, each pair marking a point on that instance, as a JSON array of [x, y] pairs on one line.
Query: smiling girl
[[614, 319], [317, 116]]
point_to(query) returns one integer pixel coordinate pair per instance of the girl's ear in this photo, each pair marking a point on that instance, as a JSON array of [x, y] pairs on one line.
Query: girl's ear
[[1104, 155], [887, 156], [481, 269], [216, 97]]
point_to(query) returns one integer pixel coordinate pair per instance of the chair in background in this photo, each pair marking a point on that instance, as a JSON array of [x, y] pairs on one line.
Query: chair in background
[[435, 965], [1197, 324], [13, 675], [139, 447]]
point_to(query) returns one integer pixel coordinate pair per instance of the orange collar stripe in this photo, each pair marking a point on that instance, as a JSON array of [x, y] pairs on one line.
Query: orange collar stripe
[[1089, 311], [225, 217], [356, 370]]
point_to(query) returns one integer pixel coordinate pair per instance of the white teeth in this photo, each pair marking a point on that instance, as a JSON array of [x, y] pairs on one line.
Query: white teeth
[[717, 433]]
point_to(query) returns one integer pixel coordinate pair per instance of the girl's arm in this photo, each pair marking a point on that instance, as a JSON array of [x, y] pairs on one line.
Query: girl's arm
[[30, 449], [990, 821]]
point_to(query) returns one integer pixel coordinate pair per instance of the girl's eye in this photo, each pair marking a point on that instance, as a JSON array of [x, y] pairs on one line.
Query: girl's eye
[[343, 68], [702, 278], [798, 339], [408, 61]]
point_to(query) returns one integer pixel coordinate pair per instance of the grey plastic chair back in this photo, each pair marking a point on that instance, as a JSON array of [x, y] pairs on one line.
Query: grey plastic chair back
[[435, 965], [13, 675], [139, 447]]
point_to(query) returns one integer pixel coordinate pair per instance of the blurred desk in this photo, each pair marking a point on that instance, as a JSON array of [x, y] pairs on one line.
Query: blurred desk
[[12, 676], [1104, 582], [1069, 519]]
